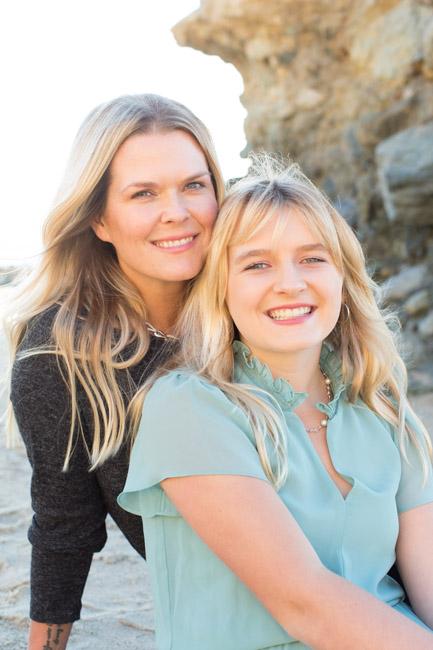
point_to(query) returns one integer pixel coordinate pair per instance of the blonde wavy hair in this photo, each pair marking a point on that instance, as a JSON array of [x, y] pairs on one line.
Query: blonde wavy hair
[[372, 367], [100, 313]]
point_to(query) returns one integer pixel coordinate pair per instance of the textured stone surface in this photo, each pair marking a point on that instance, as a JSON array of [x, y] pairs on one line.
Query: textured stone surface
[[386, 38], [428, 48], [328, 83], [418, 303], [403, 284], [405, 169], [425, 326]]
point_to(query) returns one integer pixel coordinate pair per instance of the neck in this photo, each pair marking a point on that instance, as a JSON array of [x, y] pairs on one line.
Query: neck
[[300, 368], [302, 371], [163, 307]]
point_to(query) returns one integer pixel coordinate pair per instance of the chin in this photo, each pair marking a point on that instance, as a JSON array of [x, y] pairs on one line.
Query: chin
[[192, 272]]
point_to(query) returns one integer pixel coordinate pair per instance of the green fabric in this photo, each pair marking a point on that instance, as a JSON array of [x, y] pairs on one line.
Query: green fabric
[[190, 428]]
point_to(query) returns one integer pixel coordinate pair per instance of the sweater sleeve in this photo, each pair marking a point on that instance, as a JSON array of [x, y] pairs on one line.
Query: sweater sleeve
[[68, 525]]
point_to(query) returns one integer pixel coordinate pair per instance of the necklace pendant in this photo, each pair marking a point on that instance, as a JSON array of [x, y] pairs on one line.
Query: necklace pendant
[[324, 423], [160, 334]]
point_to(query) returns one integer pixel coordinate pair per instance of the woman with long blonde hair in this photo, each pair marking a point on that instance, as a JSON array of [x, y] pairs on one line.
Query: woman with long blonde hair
[[127, 234], [290, 472]]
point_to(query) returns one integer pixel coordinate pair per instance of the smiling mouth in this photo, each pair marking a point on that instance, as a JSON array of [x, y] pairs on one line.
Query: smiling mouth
[[171, 243], [287, 314]]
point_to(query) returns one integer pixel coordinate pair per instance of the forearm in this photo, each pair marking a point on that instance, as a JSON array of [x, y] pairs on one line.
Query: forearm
[[335, 614], [421, 597], [315, 605], [424, 611], [51, 636], [415, 561], [57, 584]]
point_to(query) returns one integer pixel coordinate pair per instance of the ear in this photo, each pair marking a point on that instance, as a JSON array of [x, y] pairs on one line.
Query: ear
[[100, 230]]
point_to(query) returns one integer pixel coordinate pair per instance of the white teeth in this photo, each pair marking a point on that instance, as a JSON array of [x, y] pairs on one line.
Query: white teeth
[[173, 242], [286, 314]]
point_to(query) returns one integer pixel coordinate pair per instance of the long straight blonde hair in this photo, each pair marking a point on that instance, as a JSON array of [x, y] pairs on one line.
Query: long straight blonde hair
[[99, 312], [372, 367]]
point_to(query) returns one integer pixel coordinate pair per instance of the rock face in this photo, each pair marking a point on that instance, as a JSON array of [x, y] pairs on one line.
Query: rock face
[[346, 89], [405, 166]]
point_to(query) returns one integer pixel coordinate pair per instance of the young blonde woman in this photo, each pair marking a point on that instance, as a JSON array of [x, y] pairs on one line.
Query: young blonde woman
[[128, 232], [289, 472]]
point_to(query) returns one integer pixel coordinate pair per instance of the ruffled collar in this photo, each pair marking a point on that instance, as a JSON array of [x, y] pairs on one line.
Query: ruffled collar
[[260, 375]]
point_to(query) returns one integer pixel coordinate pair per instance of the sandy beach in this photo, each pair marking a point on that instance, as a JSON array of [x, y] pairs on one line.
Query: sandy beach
[[117, 603]]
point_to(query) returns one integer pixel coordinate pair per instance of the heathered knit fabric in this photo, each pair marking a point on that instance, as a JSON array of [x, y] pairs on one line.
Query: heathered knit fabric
[[70, 507]]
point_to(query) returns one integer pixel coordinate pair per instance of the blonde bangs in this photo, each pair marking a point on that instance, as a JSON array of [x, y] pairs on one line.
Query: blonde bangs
[[252, 205]]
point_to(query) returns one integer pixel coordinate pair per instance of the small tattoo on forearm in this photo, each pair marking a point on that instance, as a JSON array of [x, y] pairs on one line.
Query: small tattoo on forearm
[[53, 633]]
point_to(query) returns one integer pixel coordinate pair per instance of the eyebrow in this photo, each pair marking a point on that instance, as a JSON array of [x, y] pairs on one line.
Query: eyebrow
[[266, 251], [152, 184]]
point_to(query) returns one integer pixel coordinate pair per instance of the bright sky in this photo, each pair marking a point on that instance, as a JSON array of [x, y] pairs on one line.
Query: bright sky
[[60, 59]]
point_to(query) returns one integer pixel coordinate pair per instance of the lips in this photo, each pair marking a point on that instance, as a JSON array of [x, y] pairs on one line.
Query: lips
[[172, 243], [287, 313]]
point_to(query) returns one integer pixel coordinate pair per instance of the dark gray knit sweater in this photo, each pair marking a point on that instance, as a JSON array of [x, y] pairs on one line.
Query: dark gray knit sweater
[[70, 507]]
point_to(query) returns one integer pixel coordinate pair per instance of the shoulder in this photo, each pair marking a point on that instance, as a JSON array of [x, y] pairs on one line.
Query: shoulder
[[180, 379], [189, 427], [184, 386], [32, 362], [39, 330], [182, 394]]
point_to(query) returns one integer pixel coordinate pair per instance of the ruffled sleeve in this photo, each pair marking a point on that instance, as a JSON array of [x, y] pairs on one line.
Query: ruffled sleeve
[[188, 428], [411, 491]]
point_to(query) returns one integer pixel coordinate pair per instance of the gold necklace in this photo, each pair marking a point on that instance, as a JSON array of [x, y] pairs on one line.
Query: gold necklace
[[159, 334], [324, 422]]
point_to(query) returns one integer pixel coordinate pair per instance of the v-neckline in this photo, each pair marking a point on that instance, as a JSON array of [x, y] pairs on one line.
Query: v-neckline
[[323, 466]]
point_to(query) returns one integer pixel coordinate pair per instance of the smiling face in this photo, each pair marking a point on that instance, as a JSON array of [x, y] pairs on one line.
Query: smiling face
[[284, 291], [160, 210]]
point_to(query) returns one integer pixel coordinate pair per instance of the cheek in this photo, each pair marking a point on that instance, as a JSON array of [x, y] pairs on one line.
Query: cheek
[[241, 303], [232, 298], [133, 231], [209, 214], [229, 294], [336, 296], [128, 239]]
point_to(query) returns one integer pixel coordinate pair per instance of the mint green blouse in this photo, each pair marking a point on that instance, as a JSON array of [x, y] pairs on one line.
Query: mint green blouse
[[189, 427]]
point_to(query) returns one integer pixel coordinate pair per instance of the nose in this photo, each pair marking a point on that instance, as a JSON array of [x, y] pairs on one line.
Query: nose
[[174, 209], [289, 280]]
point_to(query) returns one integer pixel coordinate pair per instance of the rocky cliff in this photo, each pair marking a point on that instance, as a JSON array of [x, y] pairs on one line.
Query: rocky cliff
[[346, 88]]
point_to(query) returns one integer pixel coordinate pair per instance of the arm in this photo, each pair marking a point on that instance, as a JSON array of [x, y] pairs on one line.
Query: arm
[[415, 559], [311, 603], [69, 521]]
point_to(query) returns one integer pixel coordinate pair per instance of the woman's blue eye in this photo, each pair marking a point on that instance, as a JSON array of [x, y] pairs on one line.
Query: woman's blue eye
[[311, 260], [141, 193], [194, 185], [256, 265]]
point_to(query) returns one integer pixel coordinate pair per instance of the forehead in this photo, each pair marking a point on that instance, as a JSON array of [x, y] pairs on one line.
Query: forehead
[[156, 151], [275, 226], [285, 234]]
